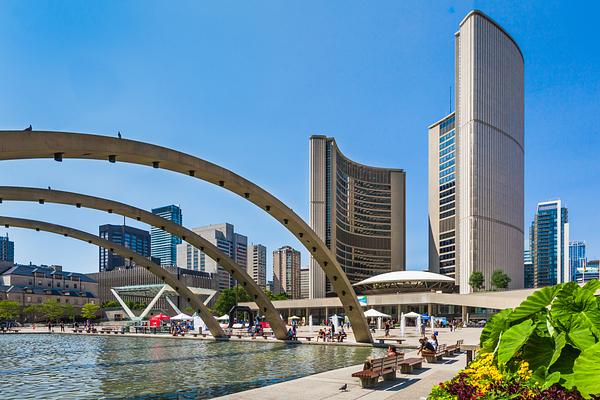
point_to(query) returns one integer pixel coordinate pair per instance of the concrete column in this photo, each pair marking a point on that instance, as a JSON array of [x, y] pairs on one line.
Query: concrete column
[[326, 314], [465, 315], [429, 309]]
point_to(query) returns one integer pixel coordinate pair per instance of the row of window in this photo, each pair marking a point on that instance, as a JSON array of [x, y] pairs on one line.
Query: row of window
[[446, 164], [446, 179], [447, 171], [447, 143], [447, 136], [447, 150], [447, 214], [446, 157], [446, 200]]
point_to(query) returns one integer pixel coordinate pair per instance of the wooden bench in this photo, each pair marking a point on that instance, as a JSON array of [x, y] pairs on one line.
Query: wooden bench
[[408, 364], [434, 356], [454, 348], [383, 339], [385, 367]]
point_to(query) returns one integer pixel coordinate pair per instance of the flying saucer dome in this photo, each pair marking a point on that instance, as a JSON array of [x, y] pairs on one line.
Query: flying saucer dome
[[405, 281]]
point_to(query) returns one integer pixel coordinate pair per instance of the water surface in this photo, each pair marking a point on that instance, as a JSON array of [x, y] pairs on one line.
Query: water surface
[[90, 367]]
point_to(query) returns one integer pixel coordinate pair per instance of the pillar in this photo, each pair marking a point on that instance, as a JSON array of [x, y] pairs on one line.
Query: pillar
[[465, 314]]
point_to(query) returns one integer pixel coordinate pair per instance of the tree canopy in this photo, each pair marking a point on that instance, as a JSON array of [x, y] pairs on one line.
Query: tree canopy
[[500, 280], [89, 310], [9, 310], [52, 310], [476, 280], [230, 297]]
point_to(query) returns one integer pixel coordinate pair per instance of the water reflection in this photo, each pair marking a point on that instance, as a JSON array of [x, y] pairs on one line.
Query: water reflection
[[69, 367]]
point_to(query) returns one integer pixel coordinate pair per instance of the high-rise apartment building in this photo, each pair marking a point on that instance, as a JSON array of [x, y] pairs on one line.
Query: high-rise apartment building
[[7, 249], [549, 245], [304, 283], [137, 240], [476, 160], [528, 274], [577, 258], [257, 264], [286, 272], [164, 244], [223, 237], [358, 211]]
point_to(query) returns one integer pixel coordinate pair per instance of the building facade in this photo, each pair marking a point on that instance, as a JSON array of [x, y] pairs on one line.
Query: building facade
[[587, 271], [163, 244], [257, 264], [359, 213], [33, 284], [577, 259], [549, 245], [227, 240], [304, 283], [134, 239], [476, 160], [7, 250], [528, 275], [140, 276], [286, 272]]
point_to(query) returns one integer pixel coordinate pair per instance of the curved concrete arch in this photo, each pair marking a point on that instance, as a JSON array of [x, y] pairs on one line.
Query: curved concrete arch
[[58, 145], [182, 290], [81, 200]]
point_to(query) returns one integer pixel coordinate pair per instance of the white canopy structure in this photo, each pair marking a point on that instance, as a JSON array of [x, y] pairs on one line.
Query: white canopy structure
[[405, 281], [411, 314], [224, 317], [182, 317], [372, 313]]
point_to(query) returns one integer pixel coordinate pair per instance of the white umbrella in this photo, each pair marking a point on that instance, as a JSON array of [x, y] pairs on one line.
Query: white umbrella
[[182, 317], [412, 314], [372, 313], [294, 317], [223, 318]]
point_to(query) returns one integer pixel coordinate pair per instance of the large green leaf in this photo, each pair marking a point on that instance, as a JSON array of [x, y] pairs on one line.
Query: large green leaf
[[492, 330], [538, 351], [559, 343], [581, 333], [592, 286], [513, 339], [564, 365], [586, 371], [536, 302]]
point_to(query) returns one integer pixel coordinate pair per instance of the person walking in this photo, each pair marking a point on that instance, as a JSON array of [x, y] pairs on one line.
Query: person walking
[[49, 326], [387, 329], [62, 326]]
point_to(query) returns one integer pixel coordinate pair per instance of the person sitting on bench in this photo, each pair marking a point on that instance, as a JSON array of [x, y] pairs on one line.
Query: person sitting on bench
[[391, 351]]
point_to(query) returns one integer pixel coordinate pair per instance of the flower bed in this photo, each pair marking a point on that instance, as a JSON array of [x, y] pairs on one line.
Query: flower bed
[[547, 348]]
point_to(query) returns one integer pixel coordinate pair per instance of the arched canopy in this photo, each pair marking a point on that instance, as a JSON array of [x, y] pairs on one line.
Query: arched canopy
[[181, 289], [60, 145], [80, 200]]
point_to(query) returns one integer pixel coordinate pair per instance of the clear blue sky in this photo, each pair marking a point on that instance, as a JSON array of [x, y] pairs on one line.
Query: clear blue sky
[[244, 84]]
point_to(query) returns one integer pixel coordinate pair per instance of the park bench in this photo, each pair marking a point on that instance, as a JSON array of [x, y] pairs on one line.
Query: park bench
[[434, 356], [383, 339], [408, 364], [385, 367], [454, 348]]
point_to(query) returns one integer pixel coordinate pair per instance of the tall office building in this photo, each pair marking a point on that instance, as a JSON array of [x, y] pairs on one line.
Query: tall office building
[[549, 245], [7, 249], [137, 240], [229, 242], [164, 244], [577, 258], [587, 271], [476, 160], [358, 211], [257, 264], [304, 283], [528, 274], [286, 272]]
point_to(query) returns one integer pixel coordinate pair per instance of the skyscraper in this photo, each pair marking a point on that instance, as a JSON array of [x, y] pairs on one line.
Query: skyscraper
[[577, 258], [528, 270], [257, 264], [476, 160], [358, 211], [304, 283], [550, 244], [229, 242], [7, 249], [286, 272], [135, 239], [164, 244]]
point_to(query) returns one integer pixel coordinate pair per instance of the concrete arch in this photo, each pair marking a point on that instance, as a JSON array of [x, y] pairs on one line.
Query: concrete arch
[[59, 145], [80, 200], [210, 321]]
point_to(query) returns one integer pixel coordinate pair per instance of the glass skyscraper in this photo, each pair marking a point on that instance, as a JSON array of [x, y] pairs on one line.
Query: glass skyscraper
[[7, 249], [135, 239], [528, 274], [549, 237], [577, 258], [164, 244]]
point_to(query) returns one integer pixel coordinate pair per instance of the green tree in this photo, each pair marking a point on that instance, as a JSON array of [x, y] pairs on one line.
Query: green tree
[[9, 310], [69, 312], [272, 296], [89, 310], [500, 280], [476, 280], [111, 304], [189, 310], [230, 297], [52, 310], [33, 312]]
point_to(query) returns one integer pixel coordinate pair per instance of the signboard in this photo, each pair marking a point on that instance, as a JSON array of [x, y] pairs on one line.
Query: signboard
[[362, 300]]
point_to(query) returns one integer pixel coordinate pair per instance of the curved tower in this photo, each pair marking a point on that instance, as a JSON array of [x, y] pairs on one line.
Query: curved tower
[[476, 189], [358, 211]]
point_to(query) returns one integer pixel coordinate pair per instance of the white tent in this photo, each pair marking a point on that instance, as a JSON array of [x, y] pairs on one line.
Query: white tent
[[372, 313], [411, 314], [223, 318], [182, 317], [294, 317]]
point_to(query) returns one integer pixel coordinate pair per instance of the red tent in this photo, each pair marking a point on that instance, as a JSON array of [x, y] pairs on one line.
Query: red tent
[[155, 321]]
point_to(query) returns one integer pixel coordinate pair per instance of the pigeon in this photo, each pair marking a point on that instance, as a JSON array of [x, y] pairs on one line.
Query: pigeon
[[344, 388], [119, 134], [28, 129]]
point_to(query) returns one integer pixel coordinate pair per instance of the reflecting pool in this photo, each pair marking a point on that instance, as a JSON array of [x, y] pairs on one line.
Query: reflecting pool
[[91, 367]]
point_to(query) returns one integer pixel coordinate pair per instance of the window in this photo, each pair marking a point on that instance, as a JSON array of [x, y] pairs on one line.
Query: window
[[30, 282], [29, 299], [57, 284], [75, 286], [67, 285]]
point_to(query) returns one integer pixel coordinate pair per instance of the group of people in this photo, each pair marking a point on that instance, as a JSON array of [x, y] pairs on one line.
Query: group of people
[[330, 335], [430, 344], [181, 328]]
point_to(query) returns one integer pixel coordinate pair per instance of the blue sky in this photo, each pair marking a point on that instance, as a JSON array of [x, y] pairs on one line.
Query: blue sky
[[244, 85]]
